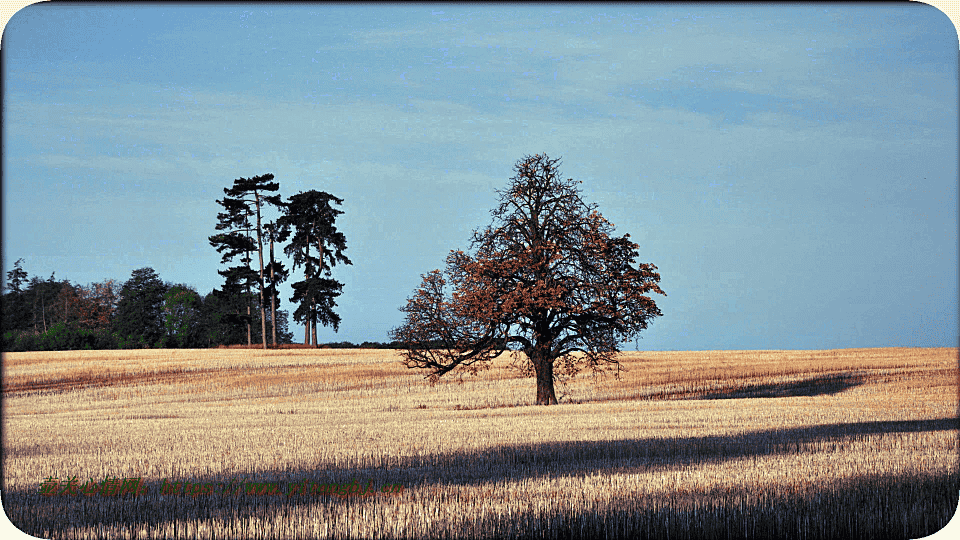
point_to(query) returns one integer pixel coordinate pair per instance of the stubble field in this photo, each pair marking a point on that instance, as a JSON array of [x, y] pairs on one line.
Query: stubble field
[[851, 443]]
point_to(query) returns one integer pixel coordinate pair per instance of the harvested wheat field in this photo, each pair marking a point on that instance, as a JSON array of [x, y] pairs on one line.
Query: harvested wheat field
[[349, 444]]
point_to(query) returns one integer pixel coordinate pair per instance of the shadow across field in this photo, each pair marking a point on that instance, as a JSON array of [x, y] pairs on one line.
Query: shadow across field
[[868, 507], [420, 476], [817, 386], [821, 385]]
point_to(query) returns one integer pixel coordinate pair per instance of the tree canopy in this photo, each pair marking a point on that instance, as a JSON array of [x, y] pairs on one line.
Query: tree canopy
[[243, 201], [182, 316], [547, 278], [312, 220], [139, 317], [39, 314], [47, 314]]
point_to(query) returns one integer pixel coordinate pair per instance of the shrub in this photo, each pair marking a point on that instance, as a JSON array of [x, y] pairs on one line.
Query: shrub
[[66, 337]]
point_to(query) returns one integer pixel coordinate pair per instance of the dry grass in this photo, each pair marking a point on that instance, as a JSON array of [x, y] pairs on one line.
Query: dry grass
[[732, 444]]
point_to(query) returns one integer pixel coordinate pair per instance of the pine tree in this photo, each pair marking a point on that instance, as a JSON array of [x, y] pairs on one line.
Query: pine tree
[[276, 273], [311, 219], [139, 316], [242, 202]]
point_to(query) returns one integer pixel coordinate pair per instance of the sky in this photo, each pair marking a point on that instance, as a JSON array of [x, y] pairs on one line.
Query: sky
[[791, 169]]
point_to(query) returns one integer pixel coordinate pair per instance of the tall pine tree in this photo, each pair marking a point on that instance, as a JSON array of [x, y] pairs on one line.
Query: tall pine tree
[[276, 273], [243, 201], [139, 316], [316, 245]]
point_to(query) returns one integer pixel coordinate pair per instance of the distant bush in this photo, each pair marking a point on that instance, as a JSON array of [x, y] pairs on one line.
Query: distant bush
[[338, 345], [59, 337], [18, 341], [64, 337], [69, 337], [106, 340]]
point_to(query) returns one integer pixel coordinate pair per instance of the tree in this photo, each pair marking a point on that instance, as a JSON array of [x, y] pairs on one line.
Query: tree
[[236, 287], [182, 316], [283, 333], [39, 308], [243, 201], [546, 278], [97, 303], [16, 277], [311, 219], [276, 274], [139, 319], [42, 295], [223, 322], [17, 315], [67, 307]]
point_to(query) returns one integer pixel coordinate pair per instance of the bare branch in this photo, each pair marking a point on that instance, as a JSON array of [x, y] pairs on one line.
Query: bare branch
[[547, 275]]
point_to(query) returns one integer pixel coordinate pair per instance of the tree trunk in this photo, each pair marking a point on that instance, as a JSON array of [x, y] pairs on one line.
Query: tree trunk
[[306, 274], [313, 311], [273, 296], [263, 318], [543, 366], [249, 316], [248, 299]]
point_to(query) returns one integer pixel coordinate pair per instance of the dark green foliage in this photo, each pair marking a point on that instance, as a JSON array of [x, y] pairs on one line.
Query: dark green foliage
[[182, 317], [338, 345], [18, 341], [43, 303], [49, 315], [243, 201], [224, 318], [232, 244], [17, 312], [315, 297], [316, 245], [139, 319], [275, 274], [16, 277], [238, 279], [42, 297], [46, 314], [284, 335], [60, 337], [16, 302], [280, 274]]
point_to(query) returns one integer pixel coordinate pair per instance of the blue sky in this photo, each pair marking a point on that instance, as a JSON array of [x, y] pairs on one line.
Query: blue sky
[[792, 170]]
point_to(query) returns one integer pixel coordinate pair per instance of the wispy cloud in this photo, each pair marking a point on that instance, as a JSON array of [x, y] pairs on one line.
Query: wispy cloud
[[748, 135]]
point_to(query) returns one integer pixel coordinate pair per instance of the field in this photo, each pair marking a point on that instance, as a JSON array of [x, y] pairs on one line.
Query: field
[[856, 443]]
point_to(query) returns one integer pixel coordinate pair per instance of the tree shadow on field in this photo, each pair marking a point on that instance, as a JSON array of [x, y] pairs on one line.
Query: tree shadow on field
[[868, 507], [822, 385], [425, 477]]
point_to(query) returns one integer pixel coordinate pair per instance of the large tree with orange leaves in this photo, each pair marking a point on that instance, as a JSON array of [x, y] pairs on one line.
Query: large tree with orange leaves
[[546, 278]]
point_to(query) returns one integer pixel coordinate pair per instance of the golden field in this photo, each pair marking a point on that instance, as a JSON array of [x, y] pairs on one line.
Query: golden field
[[728, 444]]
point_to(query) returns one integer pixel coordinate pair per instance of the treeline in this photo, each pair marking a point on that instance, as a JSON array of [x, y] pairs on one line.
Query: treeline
[[364, 345], [308, 220], [332, 345], [144, 312]]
